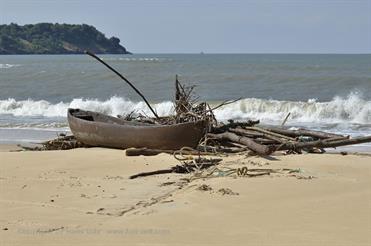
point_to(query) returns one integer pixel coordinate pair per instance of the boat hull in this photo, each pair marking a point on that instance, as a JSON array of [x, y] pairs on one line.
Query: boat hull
[[97, 129]]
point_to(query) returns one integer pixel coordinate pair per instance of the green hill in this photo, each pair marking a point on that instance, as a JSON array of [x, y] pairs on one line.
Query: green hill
[[48, 38]]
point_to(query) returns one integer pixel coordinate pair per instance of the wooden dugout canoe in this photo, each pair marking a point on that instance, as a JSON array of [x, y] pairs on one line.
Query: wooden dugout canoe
[[96, 129]]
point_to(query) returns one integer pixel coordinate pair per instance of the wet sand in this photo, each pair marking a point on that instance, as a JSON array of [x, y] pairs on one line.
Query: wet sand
[[84, 197]]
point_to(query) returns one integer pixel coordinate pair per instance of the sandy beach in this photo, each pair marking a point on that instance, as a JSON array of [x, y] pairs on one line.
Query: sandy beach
[[84, 197]]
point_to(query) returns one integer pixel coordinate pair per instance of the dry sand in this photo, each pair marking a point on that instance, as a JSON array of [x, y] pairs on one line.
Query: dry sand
[[84, 197]]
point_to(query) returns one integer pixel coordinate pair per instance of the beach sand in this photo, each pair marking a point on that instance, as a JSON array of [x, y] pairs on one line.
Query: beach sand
[[84, 197]]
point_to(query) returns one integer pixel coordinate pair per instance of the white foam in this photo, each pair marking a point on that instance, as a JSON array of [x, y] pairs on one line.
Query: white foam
[[112, 106]]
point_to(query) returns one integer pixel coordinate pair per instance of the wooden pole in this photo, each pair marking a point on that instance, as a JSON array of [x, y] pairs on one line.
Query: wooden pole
[[123, 78]]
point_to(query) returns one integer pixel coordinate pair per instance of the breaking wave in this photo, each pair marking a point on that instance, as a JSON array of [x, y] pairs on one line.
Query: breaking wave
[[113, 106], [350, 109]]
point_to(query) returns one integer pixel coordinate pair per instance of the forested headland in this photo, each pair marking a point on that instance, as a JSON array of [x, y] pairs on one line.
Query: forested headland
[[48, 38]]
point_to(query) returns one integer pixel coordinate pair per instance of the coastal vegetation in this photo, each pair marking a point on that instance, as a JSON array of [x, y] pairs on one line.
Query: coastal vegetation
[[48, 38]]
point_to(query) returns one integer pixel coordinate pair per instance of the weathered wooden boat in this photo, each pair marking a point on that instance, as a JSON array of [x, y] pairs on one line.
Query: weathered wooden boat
[[96, 129]]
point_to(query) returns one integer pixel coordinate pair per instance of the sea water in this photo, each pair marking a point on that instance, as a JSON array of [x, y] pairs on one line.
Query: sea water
[[323, 92]]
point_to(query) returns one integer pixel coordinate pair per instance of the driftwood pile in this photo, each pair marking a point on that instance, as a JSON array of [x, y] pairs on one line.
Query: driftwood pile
[[246, 136], [186, 109], [62, 142], [265, 141], [234, 137]]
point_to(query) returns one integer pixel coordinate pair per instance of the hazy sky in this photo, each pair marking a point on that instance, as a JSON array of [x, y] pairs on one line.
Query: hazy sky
[[191, 26]]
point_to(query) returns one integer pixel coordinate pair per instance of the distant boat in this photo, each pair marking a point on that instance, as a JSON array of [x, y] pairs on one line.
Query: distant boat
[[202, 53], [96, 129]]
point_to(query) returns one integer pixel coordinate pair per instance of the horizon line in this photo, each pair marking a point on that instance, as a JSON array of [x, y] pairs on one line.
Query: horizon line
[[258, 53], [212, 53]]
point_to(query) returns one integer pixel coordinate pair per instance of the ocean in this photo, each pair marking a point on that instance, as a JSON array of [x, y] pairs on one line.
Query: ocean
[[323, 92]]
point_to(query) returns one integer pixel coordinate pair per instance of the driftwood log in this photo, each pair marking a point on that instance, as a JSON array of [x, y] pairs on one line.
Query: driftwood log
[[323, 143], [249, 143], [152, 152]]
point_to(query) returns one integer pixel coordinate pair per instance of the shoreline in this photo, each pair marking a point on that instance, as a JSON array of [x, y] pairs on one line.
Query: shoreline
[[349, 150], [35, 136], [85, 195]]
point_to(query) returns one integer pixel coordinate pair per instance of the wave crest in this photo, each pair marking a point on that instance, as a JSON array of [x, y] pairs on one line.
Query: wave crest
[[112, 106], [350, 109]]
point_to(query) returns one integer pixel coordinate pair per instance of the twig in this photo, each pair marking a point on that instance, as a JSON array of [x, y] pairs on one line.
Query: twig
[[226, 102], [186, 168]]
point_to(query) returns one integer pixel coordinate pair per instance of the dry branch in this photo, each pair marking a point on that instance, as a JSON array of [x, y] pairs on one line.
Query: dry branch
[[304, 132], [186, 168], [233, 124]]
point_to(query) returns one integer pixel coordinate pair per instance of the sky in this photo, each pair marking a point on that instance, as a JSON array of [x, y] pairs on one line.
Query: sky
[[191, 26]]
